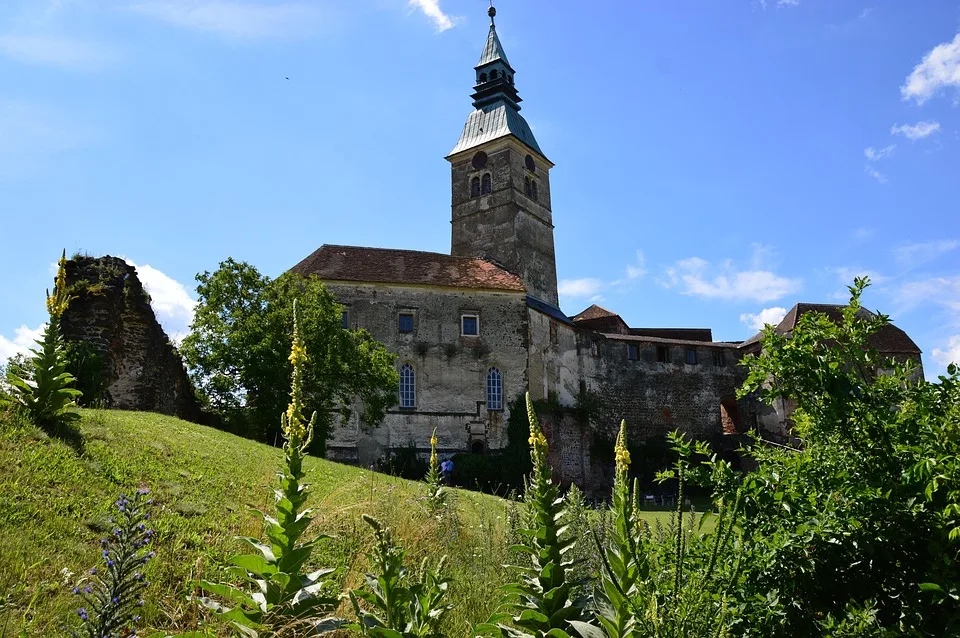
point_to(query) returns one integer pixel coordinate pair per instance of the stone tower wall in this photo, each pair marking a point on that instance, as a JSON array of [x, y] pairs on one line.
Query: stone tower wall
[[110, 313]]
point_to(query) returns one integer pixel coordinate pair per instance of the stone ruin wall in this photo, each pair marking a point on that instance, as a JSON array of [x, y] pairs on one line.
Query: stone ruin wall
[[111, 313]]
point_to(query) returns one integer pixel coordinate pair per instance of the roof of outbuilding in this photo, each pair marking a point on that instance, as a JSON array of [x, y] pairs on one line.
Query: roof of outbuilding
[[594, 312], [669, 341], [889, 338], [387, 265]]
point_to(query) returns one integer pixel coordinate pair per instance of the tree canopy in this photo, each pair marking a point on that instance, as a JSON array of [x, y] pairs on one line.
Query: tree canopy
[[238, 349]]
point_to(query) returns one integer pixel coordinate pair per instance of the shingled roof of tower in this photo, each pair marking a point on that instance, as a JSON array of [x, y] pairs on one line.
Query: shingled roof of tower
[[387, 265], [889, 339]]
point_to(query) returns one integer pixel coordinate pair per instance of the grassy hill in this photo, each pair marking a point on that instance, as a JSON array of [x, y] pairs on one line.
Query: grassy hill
[[55, 502]]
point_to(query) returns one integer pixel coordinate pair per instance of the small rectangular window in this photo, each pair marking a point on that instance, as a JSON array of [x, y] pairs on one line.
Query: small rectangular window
[[553, 333], [344, 319], [663, 354], [633, 351], [718, 359], [469, 325], [405, 322], [595, 348], [690, 356]]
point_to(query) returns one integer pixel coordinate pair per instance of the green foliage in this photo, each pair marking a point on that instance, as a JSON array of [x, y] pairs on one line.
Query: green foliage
[[239, 334], [112, 594], [398, 604], [404, 462], [86, 363], [541, 603], [282, 593], [664, 583], [863, 515], [45, 392], [436, 492]]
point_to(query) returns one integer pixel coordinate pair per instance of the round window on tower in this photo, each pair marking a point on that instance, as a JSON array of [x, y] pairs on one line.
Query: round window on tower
[[479, 160], [530, 164]]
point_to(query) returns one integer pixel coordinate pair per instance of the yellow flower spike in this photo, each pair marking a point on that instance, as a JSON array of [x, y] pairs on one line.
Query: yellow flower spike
[[621, 453]]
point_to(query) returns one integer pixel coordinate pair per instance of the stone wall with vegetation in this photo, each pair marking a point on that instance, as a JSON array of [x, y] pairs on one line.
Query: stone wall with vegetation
[[118, 349]]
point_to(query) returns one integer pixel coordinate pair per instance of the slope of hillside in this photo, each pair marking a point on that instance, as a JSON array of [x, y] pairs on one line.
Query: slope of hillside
[[55, 501]]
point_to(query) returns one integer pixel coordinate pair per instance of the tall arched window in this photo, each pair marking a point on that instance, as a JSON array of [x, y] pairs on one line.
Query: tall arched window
[[485, 184], [408, 386], [494, 389], [526, 187], [474, 187], [536, 197], [483, 78], [493, 74]]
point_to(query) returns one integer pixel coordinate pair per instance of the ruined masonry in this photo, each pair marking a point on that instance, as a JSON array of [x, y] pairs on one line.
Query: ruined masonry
[[110, 314]]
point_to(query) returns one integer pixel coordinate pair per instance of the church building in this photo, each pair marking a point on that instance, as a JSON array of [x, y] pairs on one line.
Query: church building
[[475, 328]]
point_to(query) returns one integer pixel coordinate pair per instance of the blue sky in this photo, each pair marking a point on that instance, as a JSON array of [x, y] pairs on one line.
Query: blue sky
[[717, 162]]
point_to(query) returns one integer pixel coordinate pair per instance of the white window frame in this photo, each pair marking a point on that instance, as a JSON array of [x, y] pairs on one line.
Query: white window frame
[[468, 315], [494, 389], [411, 393]]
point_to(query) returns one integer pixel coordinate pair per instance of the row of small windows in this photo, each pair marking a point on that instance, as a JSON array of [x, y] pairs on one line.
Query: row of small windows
[[494, 74], [408, 388], [469, 324], [664, 355], [480, 185]]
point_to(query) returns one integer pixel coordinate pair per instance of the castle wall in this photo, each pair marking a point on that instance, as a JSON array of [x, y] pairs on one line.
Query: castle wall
[[451, 370], [110, 312]]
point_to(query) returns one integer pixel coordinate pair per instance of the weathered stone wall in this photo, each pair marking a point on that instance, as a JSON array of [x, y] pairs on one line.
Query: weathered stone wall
[[111, 313], [451, 370], [506, 226]]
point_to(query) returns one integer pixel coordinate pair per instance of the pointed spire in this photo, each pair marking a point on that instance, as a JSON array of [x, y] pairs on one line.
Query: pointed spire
[[493, 50]]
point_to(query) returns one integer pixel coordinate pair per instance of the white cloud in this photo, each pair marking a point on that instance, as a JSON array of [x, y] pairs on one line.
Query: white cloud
[[431, 9], [766, 316], [846, 275], [171, 302], [697, 277], [940, 291], [873, 155], [23, 340], [866, 12], [950, 353], [788, 3], [235, 18], [917, 253], [916, 131], [864, 234], [637, 269], [57, 51], [940, 68], [580, 288], [875, 174]]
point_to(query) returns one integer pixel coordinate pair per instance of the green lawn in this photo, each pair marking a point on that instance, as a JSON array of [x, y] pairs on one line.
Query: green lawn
[[55, 502]]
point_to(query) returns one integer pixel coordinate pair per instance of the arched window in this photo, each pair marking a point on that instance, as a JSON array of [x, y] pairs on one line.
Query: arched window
[[494, 390], [536, 197], [476, 447], [408, 386], [526, 187], [474, 187], [493, 74], [483, 78], [485, 184]]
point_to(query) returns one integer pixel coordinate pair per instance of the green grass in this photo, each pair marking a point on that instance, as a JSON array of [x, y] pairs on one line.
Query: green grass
[[55, 502]]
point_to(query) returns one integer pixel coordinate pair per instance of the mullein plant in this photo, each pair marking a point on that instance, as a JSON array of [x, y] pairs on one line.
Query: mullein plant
[[112, 593], [542, 603], [436, 493], [45, 392], [398, 604], [665, 585], [276, 593]]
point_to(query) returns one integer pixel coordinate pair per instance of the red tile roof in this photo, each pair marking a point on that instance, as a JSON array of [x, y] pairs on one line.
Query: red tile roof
[[386, 265], [889, 339]]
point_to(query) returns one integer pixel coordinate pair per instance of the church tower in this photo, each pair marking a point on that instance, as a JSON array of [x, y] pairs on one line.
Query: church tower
[[501, 181]]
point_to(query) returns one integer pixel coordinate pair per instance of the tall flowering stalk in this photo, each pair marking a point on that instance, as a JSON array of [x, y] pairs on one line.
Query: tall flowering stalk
[[541, 603], [436, 493], [46, 395], [112, 594], [281, 594]]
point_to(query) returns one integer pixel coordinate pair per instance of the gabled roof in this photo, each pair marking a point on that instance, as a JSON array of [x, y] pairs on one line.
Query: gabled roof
[[494, 121], [412, 267], [492, 50], [889, 339], [594, 312]]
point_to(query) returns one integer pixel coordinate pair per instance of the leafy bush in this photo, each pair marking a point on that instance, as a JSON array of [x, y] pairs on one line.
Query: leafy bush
[[404, 462], [863, 516]]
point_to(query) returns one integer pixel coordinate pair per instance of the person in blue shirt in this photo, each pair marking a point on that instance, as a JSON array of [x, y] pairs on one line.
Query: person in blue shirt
[[446, 469]]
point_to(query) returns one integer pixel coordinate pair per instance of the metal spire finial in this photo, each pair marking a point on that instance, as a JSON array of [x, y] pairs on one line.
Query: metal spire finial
[[492, 11]]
